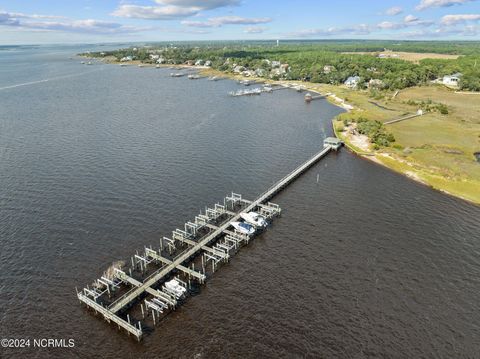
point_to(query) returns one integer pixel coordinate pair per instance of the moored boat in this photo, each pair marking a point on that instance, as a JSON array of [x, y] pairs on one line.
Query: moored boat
[[244, 228], [175, 286], [254, 219]]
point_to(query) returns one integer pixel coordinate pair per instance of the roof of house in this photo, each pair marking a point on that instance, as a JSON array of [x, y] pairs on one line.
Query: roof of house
[[332, 141], [353, 79]]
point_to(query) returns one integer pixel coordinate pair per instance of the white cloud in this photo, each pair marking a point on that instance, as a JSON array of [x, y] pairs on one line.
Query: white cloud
[[155, 12], [388, 25], [426, 4], [35, 16], [227, 20], [457, 19], [87, 26], [394, 11], [170, 9], [201, 4], [34, 22], [8, 19], [254, 29], [410, 19]]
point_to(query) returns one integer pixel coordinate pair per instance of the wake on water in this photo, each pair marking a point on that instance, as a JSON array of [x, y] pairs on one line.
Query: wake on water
[[47, 80]]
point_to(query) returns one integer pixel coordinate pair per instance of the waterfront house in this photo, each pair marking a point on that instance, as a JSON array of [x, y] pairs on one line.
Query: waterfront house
[[126, 58], [275, 64], [452, 80], [199, 63], [238, 69], [352, 82], [208, 63]]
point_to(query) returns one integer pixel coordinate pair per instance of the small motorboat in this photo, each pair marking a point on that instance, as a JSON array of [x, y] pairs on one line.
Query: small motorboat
[[244, 228], [254, 219], [175, 286]]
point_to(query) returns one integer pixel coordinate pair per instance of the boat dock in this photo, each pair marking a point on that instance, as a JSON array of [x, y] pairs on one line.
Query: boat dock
[[309, 97], [137, 297]]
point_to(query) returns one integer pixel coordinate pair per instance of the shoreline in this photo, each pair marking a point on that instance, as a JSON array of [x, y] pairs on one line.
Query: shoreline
[[412, 173], [387, 160]]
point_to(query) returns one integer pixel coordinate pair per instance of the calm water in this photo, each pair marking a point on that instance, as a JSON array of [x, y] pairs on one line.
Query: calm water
[[101, 160]]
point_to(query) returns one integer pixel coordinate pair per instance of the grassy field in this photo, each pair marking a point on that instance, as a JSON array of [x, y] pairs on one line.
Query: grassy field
[[435, 149], [409, 56]]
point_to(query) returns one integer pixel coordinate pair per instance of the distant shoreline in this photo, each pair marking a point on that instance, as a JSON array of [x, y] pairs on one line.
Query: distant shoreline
[[390, 161]]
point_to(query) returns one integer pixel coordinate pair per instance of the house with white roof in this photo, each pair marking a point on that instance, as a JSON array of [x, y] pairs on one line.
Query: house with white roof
[[452, 80], [352, 81]]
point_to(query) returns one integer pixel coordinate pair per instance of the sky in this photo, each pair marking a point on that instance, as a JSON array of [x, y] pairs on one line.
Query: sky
[[88, 21]]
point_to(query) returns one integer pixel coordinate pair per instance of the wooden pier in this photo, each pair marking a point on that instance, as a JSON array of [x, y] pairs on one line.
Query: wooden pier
[[218, 242], [309, 97]]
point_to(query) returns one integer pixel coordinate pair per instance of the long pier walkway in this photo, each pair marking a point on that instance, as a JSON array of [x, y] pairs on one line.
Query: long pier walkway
[[163, 298]]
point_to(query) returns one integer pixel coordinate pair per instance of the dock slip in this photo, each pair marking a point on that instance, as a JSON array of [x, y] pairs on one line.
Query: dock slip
[[159, 279]]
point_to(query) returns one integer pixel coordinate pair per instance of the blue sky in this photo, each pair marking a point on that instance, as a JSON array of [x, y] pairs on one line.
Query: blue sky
[[60, 21]]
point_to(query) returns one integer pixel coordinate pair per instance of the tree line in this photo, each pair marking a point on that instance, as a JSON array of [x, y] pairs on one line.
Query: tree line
[[326, 61]]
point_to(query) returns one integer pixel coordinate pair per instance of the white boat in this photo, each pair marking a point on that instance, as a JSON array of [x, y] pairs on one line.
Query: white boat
[[244, 228], [175, 286], [254, 219], [267, 88]]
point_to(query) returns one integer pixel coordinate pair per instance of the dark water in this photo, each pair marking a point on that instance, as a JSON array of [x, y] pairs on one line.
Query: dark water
[[101, 160]]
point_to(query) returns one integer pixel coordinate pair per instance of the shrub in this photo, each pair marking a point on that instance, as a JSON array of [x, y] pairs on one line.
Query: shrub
[[375, 130]]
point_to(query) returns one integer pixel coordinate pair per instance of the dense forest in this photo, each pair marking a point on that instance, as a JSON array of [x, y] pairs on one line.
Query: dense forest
[[326, 61]]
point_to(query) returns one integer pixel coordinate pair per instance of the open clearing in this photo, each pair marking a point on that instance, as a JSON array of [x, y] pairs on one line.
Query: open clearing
[[408, 56], [438, 148]]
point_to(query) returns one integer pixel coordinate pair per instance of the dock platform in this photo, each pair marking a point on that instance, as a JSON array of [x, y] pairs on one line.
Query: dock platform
[[208, 239]]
